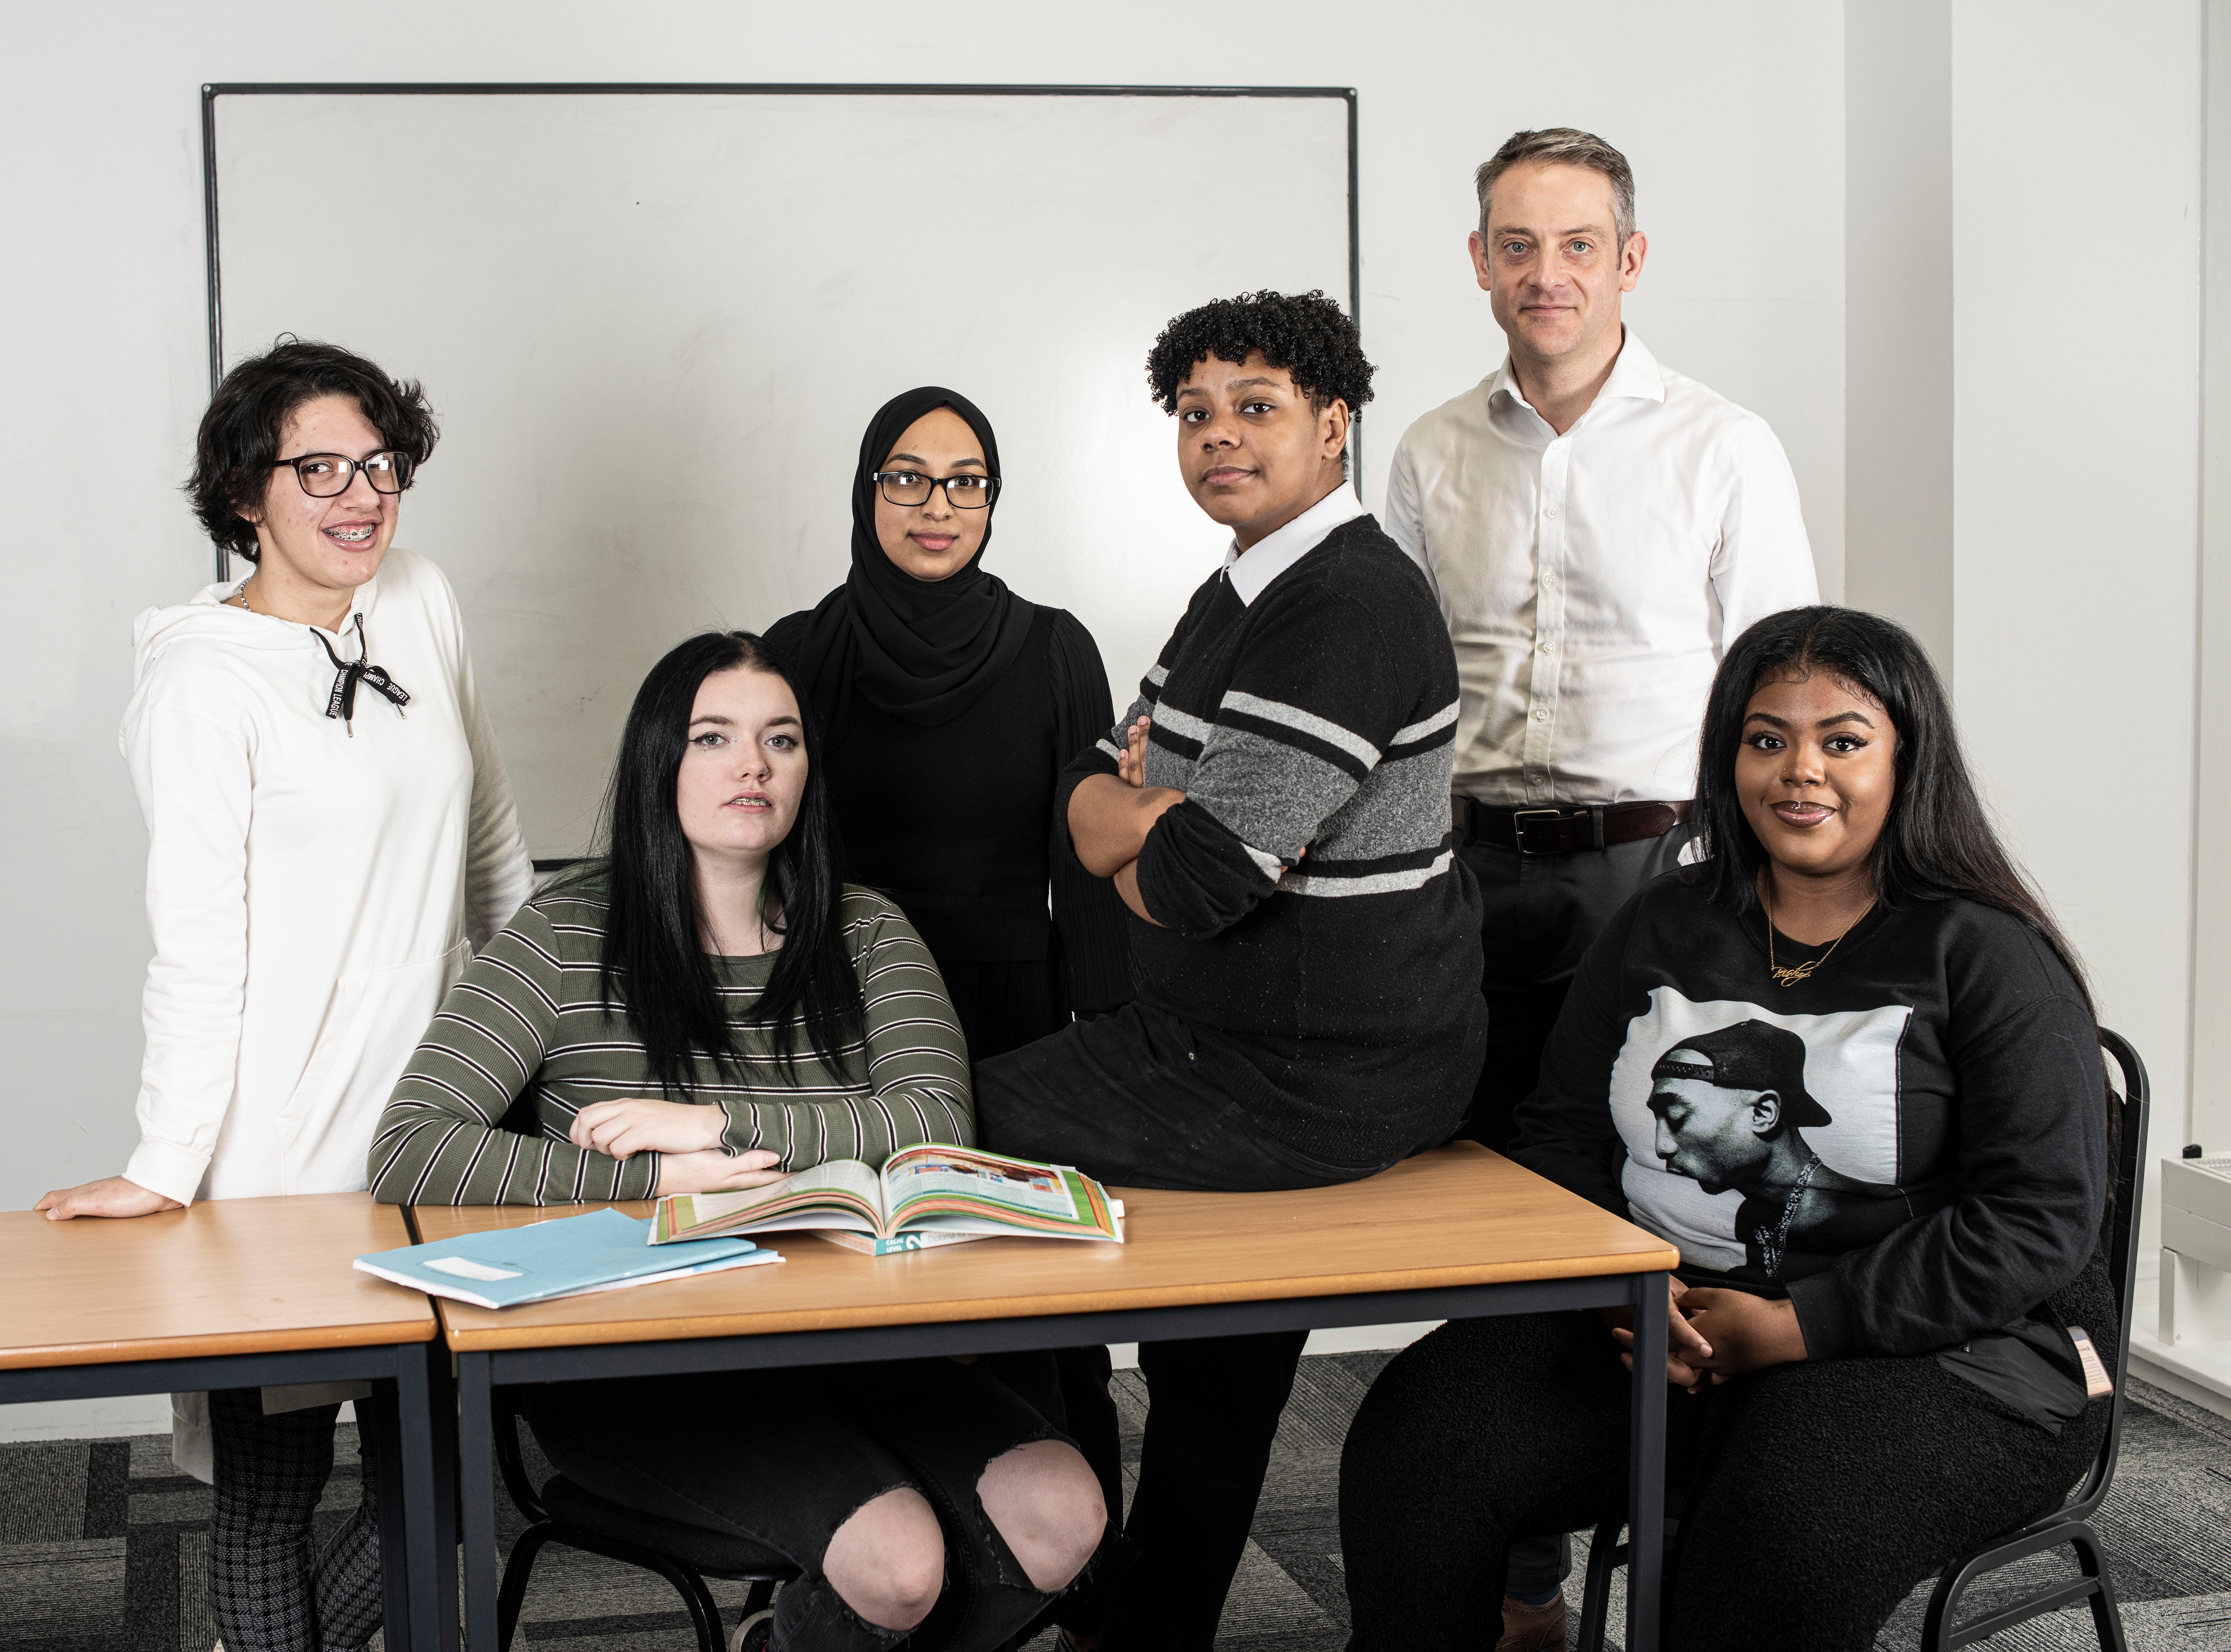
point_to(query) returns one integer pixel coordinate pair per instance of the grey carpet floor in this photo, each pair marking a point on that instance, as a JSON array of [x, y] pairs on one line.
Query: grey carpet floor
[[104, 1545]]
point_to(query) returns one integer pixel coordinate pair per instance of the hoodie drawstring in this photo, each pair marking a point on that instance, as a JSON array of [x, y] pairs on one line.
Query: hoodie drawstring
[[341, 702]]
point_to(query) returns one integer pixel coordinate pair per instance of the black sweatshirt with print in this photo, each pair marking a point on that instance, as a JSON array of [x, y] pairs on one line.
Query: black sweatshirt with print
[[1911, 1144]]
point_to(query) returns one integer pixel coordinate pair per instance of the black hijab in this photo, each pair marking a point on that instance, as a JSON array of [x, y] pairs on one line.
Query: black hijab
[[925, 652]]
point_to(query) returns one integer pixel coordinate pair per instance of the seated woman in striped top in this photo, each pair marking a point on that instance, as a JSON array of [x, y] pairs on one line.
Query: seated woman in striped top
[[710, 1006]]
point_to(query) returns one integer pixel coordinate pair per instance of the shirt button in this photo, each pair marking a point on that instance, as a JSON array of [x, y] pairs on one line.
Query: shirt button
[[1549, 580], [1541, 716], [1549, 510], [1549, 648]]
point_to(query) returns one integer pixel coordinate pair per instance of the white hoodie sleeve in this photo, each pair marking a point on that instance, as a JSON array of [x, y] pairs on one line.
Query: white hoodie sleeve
[[193, 776], [498, 876]]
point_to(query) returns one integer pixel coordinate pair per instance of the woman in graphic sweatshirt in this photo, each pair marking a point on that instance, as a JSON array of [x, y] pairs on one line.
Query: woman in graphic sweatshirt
[[1848, 1064], [330, 832]]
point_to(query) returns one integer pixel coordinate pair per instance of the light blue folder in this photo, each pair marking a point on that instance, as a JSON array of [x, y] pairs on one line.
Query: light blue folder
[[570, 1256]]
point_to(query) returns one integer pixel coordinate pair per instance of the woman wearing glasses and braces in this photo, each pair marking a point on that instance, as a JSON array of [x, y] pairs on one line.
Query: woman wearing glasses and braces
[[950, 706], [330, 833]]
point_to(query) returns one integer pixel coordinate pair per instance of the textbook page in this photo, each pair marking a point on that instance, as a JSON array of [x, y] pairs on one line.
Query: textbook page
[[937, 1172], [841, 1193]]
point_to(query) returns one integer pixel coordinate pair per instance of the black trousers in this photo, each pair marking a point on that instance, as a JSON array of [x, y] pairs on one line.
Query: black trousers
[[784, 1457], [1539, 914], [1818, 1495], [1005, 1004], [1002, 1005], [1122, 1097], [271, 1589]]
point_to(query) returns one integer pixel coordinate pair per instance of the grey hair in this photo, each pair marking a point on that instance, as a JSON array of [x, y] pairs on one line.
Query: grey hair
[[1562, 146]]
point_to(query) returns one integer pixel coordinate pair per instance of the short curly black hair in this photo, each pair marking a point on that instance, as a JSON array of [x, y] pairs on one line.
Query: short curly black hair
[[1305, 333], [239, 438]]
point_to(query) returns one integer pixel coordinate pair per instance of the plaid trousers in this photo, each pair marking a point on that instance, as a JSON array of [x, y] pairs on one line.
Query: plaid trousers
[[269, 1590]]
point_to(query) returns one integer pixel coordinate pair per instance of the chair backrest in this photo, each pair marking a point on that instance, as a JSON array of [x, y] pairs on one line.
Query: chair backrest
[[2128, 1192]]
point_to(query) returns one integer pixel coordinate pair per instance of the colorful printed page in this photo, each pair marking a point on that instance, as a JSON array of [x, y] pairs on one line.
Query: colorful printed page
[[935, 1188], [843, 1194]]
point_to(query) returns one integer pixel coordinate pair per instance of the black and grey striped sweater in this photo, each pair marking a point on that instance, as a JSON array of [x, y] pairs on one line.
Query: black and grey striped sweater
[[526, 1024], [1321, 938]]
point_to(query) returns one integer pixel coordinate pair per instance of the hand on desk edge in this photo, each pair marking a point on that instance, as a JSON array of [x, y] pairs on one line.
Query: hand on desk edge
[[112, 1196]]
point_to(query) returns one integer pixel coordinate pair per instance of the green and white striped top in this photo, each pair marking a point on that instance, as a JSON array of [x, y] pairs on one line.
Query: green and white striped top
[[525, 1024]]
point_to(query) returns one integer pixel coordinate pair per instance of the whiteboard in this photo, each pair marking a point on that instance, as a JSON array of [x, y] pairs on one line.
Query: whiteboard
[[655, 323]]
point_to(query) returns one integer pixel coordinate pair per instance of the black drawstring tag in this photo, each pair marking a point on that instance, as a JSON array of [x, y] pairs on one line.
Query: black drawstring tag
[[341, 702]]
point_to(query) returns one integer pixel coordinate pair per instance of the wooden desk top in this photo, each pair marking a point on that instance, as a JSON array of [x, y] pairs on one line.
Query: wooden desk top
[[226, 1276], [1459, 1215]]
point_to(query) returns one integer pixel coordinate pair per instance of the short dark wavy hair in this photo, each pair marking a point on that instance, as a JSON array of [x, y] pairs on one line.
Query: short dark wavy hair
[[240, 434], [1305, 333]]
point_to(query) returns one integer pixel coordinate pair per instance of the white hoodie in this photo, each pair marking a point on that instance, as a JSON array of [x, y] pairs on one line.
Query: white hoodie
[[313, 892]]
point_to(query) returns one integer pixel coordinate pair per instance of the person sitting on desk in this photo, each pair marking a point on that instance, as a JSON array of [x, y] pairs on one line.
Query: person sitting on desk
[[1305, 946], [1867, 1392], [709, 1006]]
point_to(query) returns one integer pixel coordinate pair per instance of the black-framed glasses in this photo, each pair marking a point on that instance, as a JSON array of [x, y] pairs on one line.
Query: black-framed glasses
[[324, 475], [965, 492]]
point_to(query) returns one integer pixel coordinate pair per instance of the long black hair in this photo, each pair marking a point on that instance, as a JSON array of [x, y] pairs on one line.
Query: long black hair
[[654, 961], [1937, 842]]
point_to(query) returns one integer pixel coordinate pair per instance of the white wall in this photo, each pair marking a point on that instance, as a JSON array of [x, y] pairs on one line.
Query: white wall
[[1897, 315], [2076, 148], [2211, 974], [1732, 113]]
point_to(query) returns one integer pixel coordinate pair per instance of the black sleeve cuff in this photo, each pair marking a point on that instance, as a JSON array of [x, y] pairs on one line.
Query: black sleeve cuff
[[1827, 1316]]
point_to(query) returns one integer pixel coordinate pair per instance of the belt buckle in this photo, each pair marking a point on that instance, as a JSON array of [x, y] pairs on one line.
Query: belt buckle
[[1518, 819]]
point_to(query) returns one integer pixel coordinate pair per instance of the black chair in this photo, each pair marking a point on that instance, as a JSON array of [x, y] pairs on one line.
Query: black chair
[[1942, 1630], [684, 1555]]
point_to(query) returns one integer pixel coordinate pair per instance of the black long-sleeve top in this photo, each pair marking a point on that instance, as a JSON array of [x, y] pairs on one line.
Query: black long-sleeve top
[[1927, 1163], [956, 821]]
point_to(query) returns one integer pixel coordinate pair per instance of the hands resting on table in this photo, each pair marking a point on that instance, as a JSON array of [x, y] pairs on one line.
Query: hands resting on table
[[112, 1196], [1713, 1334], [685, 1136], [688, 1139]]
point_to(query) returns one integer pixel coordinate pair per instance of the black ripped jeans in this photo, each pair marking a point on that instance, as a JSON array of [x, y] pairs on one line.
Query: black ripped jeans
[[784, 1457]]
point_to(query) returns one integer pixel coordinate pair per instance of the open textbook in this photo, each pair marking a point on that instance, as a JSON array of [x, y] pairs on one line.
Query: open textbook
[[933, 1194]]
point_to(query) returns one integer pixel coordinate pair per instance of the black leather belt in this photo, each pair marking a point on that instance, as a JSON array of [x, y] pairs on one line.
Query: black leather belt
[[1566, 829]]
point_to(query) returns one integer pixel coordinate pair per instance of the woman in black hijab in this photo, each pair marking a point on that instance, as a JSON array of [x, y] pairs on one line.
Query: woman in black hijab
[[951, 705]]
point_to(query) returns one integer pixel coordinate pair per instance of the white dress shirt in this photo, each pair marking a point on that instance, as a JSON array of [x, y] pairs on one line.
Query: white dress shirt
[[1251, 572], [1592, 581]]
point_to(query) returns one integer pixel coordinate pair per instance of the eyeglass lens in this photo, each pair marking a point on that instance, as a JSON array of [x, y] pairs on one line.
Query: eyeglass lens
[[911, 488], [325, 474]]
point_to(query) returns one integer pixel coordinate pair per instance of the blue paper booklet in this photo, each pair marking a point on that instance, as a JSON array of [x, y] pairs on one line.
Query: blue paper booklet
[[568, 1256]]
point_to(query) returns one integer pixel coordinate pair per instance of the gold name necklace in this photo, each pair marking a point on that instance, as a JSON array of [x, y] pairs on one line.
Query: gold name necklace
[[1790, 974]]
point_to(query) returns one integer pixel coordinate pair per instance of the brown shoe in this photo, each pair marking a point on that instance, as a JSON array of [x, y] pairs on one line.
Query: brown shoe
[[1532, 1628]]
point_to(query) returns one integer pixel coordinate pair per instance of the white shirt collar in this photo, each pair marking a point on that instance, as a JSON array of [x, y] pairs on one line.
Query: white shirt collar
[[1251, 573], [1635, 372]]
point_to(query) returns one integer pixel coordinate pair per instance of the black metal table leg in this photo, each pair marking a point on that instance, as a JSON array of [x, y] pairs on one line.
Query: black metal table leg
[[426, 1452], [476, 1471], [380, 1438], [1646, 1511]]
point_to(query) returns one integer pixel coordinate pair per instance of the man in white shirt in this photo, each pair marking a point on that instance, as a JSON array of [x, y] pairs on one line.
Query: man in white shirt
[[1598, 529]]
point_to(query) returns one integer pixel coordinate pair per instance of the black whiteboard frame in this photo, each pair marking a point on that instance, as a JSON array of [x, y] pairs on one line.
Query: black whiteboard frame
[[214, 90]]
